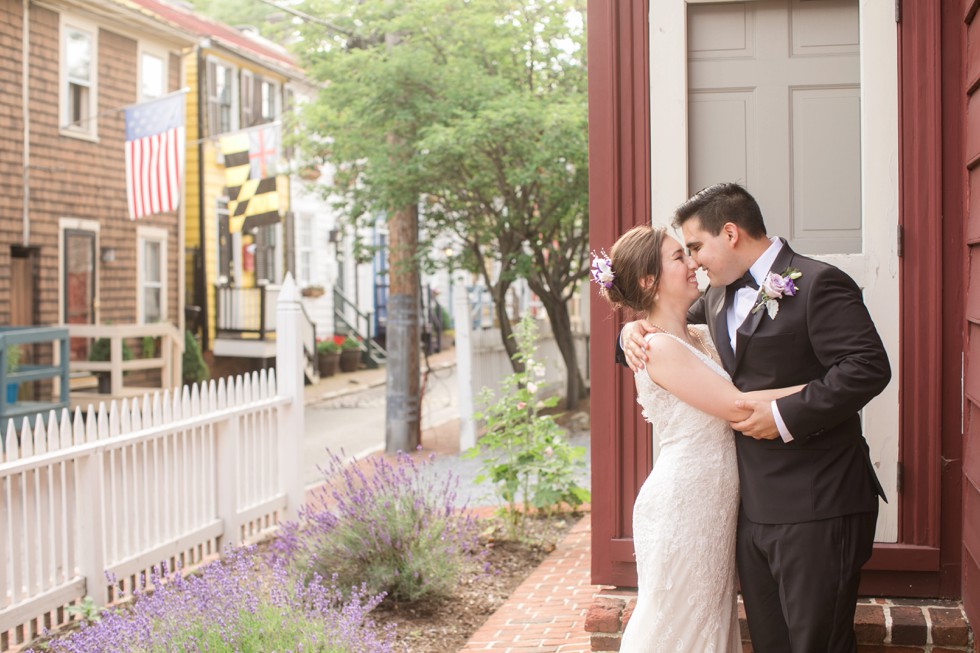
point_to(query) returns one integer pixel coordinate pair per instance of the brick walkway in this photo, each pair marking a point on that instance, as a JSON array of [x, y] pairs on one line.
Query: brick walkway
[[546, 613]]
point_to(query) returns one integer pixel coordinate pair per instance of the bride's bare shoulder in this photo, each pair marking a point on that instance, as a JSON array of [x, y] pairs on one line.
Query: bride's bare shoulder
[[663, 350]]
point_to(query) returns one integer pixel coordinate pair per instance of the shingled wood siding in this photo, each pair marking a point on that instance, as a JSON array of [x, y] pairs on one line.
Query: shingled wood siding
[[71, 177]]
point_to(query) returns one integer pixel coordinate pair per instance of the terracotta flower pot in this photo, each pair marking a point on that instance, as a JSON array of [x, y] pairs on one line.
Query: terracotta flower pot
[[327, 362], [350, 360]]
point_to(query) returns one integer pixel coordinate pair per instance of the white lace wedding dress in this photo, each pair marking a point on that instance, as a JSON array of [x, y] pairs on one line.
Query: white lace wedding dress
[[684, 528]]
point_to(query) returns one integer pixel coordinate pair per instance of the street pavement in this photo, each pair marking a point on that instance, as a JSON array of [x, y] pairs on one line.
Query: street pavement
[[347, 412]]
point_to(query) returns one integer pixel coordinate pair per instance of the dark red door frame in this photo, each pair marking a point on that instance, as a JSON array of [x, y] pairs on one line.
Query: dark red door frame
[[923, 563], [967, 133], [619, 198]]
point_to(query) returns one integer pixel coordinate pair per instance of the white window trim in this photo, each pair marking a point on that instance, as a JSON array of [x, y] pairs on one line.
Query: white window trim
[[144, 235], [236, 105], [156, 50], [90, 130], [65, 224], [275, 96]]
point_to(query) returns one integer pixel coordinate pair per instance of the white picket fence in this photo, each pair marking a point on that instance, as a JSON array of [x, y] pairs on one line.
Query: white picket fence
[[174, 478]]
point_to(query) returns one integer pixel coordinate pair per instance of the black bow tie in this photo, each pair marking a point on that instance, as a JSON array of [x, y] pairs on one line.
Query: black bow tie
[[745, 281]]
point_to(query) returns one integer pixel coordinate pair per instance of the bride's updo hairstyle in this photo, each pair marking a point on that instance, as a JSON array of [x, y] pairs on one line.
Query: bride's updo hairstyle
[[635, 256]]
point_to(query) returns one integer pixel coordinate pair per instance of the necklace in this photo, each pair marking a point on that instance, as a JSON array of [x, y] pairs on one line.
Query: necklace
[[690, 332]]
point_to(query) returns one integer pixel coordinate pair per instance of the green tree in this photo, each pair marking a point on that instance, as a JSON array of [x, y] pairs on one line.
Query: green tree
[[475, 112]]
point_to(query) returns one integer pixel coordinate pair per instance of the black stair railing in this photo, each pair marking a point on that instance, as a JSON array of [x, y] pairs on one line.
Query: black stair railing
[[360, 327]]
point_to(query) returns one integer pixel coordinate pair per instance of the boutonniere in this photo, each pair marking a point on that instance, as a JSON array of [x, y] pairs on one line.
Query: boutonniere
[[774, 288]]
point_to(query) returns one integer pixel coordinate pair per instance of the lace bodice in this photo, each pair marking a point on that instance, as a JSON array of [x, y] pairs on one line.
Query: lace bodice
[[664, 411], [684, 526]]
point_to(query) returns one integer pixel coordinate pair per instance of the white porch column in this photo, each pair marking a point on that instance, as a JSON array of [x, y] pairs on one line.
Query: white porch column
[[464, 362]]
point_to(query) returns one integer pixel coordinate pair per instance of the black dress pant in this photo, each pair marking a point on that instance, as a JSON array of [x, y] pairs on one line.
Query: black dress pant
[[799, 582]]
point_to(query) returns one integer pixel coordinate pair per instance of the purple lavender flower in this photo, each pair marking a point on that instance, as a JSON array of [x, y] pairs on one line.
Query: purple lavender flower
[[388, 524], [240, 603]]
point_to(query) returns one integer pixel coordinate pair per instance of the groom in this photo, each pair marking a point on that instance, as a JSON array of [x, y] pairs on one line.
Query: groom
[[809, 491]]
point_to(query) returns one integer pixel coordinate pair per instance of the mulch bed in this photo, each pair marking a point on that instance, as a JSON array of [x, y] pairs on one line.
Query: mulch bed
[[445, 626]]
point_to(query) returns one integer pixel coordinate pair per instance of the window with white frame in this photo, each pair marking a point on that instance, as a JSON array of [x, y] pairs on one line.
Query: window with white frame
[[269, 100], [152, 73], [222, 97], [79, 89], [151, 275], [259, 99], [304, 247]]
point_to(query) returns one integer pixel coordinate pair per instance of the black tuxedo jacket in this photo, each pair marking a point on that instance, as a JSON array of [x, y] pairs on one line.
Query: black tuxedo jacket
[[823, 337]]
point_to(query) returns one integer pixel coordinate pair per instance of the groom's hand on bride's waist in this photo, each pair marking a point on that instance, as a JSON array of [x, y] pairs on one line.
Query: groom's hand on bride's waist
[[760, 424]]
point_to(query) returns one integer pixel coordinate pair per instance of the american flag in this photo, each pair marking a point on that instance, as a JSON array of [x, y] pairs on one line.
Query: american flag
[[155, 155]]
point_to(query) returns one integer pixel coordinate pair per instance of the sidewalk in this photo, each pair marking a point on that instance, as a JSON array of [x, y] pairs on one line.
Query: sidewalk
[[344, 383]]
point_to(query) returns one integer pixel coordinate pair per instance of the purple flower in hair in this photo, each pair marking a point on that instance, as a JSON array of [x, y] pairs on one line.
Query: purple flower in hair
[[602, 271]]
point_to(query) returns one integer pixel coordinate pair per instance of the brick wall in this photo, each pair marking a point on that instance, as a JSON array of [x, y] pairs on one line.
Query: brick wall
[[881, 625]]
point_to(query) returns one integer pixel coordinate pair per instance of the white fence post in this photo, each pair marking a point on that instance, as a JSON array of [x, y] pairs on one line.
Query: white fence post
[[289, 380], [91, 516], [464, 362], [228, 472]]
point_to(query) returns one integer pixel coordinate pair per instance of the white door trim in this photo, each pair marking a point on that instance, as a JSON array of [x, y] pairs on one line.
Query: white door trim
[[876, 268]]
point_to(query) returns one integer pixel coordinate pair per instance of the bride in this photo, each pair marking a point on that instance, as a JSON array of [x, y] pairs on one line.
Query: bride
[[685, 514]]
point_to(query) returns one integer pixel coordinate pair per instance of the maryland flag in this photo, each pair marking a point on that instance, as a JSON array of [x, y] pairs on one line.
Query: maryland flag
[[250, 177]]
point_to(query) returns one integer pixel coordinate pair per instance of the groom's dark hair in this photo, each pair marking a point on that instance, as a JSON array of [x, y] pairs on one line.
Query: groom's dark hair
[[721, 203]]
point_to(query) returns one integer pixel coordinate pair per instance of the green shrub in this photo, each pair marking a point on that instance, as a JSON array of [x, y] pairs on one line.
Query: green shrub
[[327, 346], [350, 342], [195, 369], [148, 348], [101, 348], [13, 358]]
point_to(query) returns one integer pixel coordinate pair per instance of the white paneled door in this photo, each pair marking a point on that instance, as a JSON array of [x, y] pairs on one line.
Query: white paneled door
[[796, 100]]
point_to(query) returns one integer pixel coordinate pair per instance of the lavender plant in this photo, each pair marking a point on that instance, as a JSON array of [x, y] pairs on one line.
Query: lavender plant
[[525, 454], [235, 606], [394, 528]]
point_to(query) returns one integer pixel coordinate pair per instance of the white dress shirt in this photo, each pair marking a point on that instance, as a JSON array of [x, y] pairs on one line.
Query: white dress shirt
[[745, 300]]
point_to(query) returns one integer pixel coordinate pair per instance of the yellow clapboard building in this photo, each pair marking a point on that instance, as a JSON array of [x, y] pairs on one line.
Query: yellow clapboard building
[[237, 188]]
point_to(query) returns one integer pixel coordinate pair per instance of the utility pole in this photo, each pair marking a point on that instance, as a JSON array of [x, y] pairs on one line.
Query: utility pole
[[402, 401]]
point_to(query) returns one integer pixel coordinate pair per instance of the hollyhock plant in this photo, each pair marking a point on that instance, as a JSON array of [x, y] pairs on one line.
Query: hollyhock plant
[[524, 453], [391, 525]]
